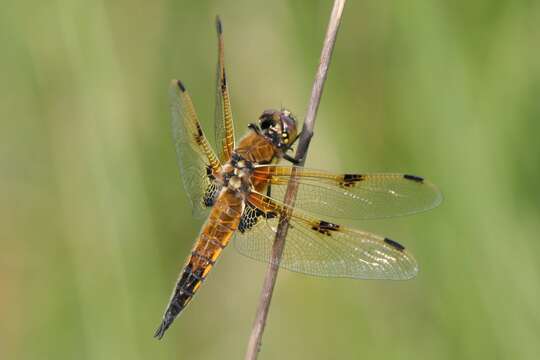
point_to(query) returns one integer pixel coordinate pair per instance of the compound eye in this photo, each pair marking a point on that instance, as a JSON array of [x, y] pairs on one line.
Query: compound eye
[[293, 118], [266, 123]]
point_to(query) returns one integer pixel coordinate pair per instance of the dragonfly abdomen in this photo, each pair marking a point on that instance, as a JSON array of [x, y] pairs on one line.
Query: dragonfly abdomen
[[214, 237]]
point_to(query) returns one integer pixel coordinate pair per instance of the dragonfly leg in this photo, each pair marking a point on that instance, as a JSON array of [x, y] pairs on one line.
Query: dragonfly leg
[[255, 127], [291, 159]]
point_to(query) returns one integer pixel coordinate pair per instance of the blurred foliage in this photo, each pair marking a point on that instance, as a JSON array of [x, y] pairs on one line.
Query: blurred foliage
[[95, 225]]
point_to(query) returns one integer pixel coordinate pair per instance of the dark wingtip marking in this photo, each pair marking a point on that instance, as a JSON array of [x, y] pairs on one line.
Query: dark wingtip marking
[[199, 130], [413, 178], [328, 225], [219, 27], [351, 179], [325, 227], [224, 81], [394, 244], [181, 86]]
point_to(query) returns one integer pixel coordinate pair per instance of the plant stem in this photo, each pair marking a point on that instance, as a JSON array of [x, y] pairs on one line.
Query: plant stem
[[255, 338]]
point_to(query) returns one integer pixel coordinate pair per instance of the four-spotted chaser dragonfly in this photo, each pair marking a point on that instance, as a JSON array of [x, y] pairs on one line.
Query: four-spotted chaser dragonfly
[[242, 188]]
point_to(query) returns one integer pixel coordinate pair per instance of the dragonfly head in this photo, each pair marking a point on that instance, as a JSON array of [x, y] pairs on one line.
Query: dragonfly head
[[279, 126]]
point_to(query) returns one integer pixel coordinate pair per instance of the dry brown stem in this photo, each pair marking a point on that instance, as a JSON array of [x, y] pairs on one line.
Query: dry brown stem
[[259, 323]]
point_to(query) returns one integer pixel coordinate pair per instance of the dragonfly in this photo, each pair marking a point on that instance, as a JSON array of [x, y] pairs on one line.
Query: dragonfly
[[240, 192]]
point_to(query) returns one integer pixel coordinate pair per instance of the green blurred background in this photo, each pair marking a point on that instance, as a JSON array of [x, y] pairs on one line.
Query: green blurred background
[[95, 225]]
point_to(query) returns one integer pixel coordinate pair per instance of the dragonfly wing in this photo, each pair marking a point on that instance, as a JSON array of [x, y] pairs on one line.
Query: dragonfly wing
[[223, 121], [321, 248], [196, 159], [353, 196]]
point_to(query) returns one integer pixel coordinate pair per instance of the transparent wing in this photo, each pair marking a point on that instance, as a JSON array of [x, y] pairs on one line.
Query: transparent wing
[[321, 248], [196, 159], [223, 121], [352, 196]]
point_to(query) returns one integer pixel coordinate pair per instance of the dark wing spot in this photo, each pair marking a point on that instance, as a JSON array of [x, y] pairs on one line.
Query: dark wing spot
[[350, 179], [328, 225], [394, 244], [199, 136], [199, 130], [181, 86], [413, 178], [325, 227], [209, 172]]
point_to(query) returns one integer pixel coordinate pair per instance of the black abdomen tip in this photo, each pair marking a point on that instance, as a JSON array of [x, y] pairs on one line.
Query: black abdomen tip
[[165, 323], [413, 178], [180, 86], [394, 244], [160, 331]]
